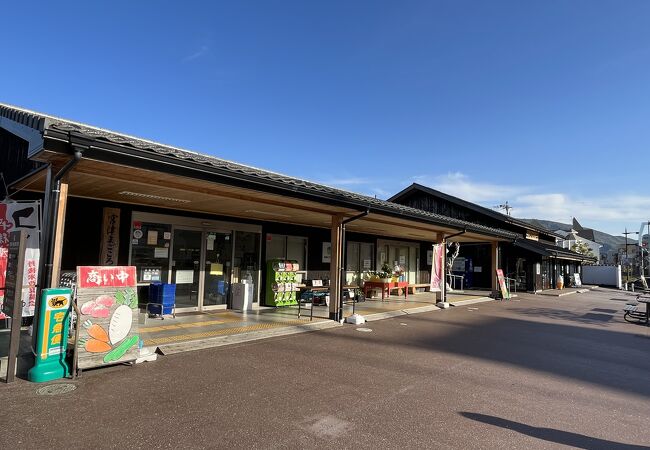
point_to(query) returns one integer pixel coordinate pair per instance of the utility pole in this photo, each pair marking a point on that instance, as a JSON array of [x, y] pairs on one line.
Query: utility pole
[[648, 247], [627, 261], [508, 208]]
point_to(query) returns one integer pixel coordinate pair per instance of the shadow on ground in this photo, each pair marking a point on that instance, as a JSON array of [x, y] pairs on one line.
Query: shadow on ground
[[551, 434], [595, 316], [602, 356]]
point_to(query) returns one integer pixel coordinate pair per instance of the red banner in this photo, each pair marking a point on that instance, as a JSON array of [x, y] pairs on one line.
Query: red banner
[[103, 276]]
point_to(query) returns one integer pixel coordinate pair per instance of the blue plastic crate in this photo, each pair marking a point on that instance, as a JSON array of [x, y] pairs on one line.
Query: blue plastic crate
[[155, 309], [164, 293]]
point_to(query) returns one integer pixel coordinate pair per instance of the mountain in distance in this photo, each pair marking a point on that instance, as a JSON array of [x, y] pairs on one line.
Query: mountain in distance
[[608, 241]]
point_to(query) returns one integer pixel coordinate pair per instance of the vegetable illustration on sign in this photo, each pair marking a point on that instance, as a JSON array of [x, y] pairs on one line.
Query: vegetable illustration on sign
[[110, 329]]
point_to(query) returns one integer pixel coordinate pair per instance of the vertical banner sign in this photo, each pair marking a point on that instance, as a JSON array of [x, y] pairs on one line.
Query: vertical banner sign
[[108, 302], [25, 216], [110, 237], [52, 336], [12, 305], [436, 267], [502, 285]]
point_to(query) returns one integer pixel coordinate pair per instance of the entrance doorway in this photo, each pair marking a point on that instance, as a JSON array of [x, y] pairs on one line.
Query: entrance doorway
[[203, 258], [201, 269], [186, 267], [218, 254]]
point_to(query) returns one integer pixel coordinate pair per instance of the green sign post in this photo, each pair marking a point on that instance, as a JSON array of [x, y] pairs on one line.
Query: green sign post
[[52, 336]]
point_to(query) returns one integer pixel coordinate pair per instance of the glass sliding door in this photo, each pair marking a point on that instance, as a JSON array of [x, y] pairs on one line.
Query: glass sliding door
[[217, 269], [246, 263], [186, 267]]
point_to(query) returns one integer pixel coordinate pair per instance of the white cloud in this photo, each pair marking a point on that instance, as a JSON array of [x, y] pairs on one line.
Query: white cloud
[[561, 207], [610, 214], [460, 185], [204, 49], [350, 181]]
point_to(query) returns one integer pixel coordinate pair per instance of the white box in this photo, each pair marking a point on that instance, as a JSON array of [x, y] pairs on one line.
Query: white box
[[242, 296]]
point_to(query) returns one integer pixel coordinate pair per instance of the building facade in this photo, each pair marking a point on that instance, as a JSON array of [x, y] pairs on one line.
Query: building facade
[[532, 260]]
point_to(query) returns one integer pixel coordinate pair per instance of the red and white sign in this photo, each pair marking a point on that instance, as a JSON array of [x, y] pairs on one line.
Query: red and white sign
[[108, 305], [502, 284], [16, 216], [104, 276]]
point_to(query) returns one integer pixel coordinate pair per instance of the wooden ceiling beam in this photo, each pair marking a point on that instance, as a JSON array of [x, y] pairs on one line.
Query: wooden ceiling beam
[[149, 181]]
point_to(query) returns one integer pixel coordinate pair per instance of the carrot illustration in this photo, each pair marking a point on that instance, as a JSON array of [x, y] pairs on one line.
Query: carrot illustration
[[95, 346], [97, 332]]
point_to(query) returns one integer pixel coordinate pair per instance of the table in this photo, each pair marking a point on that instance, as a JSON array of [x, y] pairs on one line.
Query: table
[[385, 287]]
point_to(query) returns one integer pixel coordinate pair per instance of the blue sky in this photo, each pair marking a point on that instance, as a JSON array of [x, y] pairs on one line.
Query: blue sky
[[542, 104]]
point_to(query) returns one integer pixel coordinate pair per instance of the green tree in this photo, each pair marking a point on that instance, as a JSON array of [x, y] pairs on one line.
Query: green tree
[[583, 249]]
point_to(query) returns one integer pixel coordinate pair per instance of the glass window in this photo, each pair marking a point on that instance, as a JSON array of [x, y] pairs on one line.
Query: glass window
[[359, 262], [276, 246], [294, 248], [150, 251], [297, 250]]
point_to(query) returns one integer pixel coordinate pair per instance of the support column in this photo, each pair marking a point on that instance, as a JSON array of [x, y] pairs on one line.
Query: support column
[[335, 268], [442, 295], [494, 258], [59, 230]]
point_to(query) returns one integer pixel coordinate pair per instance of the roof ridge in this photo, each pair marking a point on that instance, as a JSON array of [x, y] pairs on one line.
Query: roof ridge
[[202, 158], [149, 141]]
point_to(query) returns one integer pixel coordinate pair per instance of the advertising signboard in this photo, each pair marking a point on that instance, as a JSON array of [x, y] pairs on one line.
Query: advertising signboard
[[110, 237], [15, 216], [502, 285], [108, 301], [51, 340]]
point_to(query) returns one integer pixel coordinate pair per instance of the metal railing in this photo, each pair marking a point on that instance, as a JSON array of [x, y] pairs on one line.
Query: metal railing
[[508, 280], [452, 279]]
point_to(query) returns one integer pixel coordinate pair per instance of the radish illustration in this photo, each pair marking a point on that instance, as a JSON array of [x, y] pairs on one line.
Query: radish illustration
[[120, 324]]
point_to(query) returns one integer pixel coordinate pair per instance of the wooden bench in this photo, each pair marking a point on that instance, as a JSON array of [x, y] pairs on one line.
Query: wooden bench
[[413, 288]]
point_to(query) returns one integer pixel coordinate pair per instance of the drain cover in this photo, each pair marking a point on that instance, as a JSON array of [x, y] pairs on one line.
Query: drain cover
[[56, 389], [364, 330]]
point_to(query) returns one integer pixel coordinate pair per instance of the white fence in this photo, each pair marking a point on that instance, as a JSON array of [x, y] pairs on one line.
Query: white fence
[[602, 275]]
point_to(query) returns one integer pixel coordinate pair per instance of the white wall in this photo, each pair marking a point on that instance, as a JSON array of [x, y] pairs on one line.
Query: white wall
[[602, 275]]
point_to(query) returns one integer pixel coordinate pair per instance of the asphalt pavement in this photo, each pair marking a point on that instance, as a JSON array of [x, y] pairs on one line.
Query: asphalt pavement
[[534, 372]]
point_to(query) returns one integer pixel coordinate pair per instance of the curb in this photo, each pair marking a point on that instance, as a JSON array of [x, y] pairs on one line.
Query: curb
[[472, 301], [181, 347]]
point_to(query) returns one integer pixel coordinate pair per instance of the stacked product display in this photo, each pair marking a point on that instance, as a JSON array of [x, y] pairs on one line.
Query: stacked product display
[[281, 284]]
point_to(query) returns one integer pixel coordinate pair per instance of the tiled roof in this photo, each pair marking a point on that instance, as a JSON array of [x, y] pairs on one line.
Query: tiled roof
[[44, 122], [545, 249], [472, 206]]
